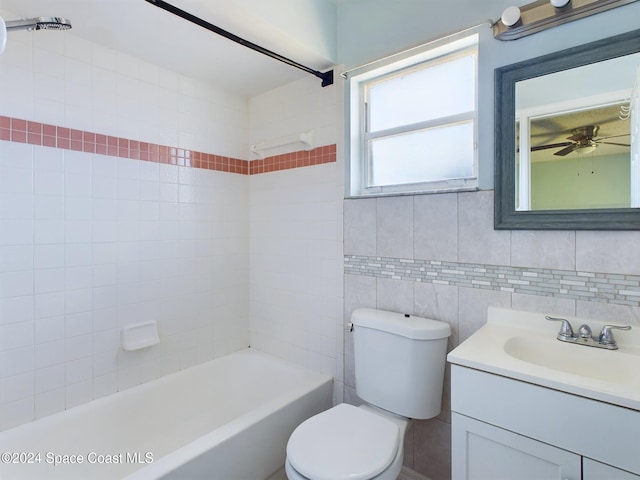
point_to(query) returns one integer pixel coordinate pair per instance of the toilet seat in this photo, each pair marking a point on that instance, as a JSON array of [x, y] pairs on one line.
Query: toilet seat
[[343, 442]]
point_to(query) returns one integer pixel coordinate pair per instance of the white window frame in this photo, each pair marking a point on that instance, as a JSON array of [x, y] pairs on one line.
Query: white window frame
[[359, 159]]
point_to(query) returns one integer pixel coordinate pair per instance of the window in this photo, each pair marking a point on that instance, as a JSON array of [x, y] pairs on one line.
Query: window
[[413, 123]]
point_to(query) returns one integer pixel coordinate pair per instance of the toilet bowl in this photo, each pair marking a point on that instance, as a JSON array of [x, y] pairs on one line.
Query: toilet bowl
[[347, 442], [399, 362]]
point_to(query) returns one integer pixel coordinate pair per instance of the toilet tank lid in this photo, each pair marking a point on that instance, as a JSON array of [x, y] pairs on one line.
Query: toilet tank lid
[[406, 325]]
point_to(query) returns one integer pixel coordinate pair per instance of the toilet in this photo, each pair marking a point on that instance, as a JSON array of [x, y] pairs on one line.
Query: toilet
[[399, 368]]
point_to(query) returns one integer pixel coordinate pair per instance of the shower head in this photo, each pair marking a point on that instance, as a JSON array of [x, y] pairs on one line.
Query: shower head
[[39, 23]]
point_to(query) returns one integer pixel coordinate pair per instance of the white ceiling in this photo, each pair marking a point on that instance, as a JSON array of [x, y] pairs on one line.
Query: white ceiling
[[145, 31]]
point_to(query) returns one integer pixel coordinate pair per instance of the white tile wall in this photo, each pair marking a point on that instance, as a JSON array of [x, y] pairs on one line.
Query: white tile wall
[[295, 266], [89, 243], [296, 234], [95, 242], [60, 79]]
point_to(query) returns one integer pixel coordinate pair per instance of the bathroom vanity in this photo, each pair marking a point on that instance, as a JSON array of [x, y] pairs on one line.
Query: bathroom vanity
[[527, 406]]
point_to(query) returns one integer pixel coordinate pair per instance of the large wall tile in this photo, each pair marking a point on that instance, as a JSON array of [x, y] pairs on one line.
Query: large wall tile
[[543, 249], [394, 295], [550, 305], [360, 227], [611, 313], [609, 252], [432, 448], [439, 302], [359, 292], [394, 227], [436, 227], [473, 308], [478, 242]]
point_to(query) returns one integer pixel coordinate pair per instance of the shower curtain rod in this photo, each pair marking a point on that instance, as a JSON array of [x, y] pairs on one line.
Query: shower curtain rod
[[326, 77]]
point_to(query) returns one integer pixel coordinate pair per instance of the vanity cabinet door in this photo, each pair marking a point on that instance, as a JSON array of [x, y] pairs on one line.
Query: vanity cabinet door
[[484, 452], [592, 470]]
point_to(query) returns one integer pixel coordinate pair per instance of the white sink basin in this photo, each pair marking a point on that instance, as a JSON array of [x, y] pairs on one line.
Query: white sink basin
[[598, 364], [523, 346]]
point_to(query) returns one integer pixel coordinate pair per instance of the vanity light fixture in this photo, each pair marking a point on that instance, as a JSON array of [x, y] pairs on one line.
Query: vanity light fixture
[[3, 35], [542, 14]]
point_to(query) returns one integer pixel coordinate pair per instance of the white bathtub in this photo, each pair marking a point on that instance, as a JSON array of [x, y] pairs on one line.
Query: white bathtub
[[226, 419]]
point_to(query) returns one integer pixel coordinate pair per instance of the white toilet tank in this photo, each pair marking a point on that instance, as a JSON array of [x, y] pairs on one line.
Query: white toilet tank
[[400, 361]]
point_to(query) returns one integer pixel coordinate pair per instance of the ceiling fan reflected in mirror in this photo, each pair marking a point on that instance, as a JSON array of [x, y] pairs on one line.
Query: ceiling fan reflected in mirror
[[584, 140]]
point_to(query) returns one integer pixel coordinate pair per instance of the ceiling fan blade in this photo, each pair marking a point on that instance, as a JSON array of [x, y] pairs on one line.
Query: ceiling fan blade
[[612, 136], [613, 143], [551, 145], [565, 151]]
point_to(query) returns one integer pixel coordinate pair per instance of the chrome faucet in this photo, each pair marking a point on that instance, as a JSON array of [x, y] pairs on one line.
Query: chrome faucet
[[606, 335], [604, 340]]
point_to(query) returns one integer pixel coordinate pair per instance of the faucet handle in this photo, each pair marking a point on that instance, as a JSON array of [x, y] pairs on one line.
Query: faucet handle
[[566, 332], [606, 335]]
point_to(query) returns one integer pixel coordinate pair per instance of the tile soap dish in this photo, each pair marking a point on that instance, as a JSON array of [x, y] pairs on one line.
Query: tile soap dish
[[139, 336]]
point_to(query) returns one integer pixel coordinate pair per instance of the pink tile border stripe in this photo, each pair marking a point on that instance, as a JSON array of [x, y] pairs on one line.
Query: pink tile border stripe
[[35, 133], [301, 158]]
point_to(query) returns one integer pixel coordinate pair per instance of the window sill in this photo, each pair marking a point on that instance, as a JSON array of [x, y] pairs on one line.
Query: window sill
[[412, 193]]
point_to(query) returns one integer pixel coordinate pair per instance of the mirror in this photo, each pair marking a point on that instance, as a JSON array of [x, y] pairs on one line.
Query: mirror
[[565, 158]]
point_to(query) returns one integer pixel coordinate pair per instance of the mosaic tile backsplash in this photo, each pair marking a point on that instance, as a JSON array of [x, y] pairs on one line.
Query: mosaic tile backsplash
[[588, 286]]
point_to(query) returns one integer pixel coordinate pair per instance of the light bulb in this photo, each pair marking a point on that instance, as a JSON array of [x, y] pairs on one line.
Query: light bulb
[[3, 35], [559, 3], [510, 17]]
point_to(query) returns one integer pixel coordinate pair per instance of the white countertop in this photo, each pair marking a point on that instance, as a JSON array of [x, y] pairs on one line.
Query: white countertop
[[611, 376]]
